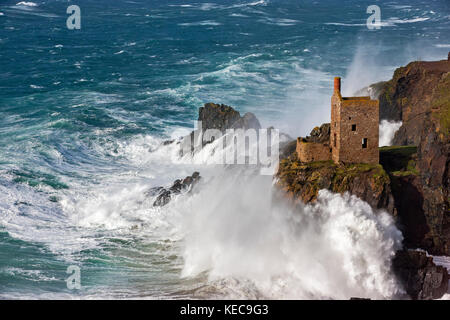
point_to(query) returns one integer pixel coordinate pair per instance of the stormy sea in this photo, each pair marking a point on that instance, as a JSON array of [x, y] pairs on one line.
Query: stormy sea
[[84, 114]]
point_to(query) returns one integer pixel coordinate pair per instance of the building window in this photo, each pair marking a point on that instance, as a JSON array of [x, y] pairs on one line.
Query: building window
[[353, 127], [335, 139], [349, 118], [364, 143]]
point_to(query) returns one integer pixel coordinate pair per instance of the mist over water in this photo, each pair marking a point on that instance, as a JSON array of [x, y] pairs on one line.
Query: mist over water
[[83, 115]]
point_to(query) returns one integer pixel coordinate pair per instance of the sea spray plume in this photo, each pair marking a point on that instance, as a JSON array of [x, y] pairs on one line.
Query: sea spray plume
[[364, 70], [336, 248], [387, 132], [370, 64]]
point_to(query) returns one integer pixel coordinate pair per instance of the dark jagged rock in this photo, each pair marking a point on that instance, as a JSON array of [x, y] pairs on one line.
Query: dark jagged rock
[[320, 134], [222, 117], [400, 162], [421, 278], [219, 117], [163, 196], [167, 142]]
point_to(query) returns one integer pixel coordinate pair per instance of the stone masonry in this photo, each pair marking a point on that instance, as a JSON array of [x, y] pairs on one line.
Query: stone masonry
[[354, 132]]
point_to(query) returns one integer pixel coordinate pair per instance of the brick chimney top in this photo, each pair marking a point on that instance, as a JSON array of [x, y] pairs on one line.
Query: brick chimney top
[[337, 84]]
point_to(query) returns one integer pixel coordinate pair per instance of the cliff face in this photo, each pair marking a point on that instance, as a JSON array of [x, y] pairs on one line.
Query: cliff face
[[422, 279], [419, 96], [413, 178]]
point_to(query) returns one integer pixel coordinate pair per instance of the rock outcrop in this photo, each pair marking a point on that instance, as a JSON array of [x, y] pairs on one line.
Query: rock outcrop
[[419, 96], [217, 117], [222, 117], [412, 181], [422, 279], [164, 195], [320, 134], [302, 181]]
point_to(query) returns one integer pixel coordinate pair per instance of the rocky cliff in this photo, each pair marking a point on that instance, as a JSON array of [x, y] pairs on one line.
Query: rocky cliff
[[412, 180], [302, 181], [419, 96]]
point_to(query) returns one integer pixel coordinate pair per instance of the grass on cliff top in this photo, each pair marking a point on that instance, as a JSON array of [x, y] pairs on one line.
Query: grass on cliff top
[[399, 160], [296, 175], [346, 173]]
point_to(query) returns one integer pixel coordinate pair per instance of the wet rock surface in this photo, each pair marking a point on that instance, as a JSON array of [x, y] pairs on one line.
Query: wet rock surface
[[421, 278], [164, 195]]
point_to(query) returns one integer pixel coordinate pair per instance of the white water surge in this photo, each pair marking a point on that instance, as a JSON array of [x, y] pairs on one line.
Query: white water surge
[[336, 248], [248, 245]]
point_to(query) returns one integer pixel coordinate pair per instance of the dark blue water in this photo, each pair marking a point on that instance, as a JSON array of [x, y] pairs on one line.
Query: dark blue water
[[82, 110]]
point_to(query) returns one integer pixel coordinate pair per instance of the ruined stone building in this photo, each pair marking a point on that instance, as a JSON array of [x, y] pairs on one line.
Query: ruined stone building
[[353, 132]]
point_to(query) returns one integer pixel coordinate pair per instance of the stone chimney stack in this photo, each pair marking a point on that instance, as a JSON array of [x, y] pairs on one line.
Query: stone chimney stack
[[337, 84]]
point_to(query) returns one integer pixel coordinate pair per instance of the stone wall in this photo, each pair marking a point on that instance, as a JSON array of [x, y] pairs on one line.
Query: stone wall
[[312, 151], [354, 119]]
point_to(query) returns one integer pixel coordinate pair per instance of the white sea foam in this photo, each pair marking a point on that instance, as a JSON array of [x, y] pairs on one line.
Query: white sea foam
[[213, 6], [346, 24], [282, 22], [249, 245], [440, 45], [26, 4], [200, 23], [336, 248], [387, 132], [391, 22], [240, 15]]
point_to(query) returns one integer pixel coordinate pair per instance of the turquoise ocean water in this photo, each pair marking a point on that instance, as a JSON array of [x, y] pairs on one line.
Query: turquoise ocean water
[[83, 111]]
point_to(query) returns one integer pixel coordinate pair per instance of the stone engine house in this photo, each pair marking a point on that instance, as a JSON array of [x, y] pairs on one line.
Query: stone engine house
[[354, 132]]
